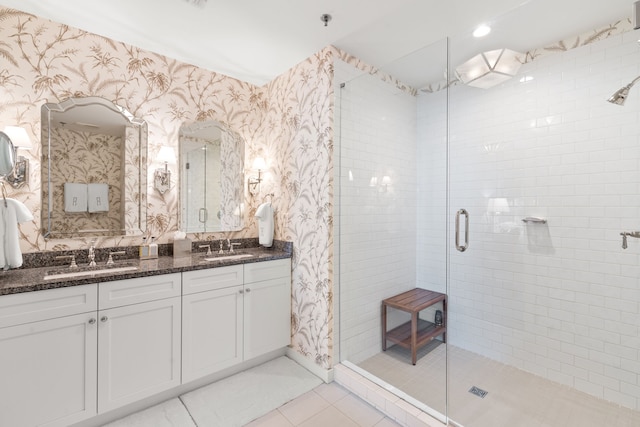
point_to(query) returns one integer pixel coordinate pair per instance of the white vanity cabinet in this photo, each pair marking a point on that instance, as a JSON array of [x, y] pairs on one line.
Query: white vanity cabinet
[[212, 320], [139, 338], [234, 313], [48, 363], [267, 307], [72, 353]]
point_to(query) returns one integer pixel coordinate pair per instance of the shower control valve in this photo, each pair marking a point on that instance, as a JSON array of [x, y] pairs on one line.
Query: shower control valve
[[625, 234]]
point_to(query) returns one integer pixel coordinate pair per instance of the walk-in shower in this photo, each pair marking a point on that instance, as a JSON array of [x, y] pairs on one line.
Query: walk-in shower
[[543, 308]]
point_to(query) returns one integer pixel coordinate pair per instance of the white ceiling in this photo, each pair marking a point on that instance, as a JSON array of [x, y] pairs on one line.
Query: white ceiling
[[257, 40]]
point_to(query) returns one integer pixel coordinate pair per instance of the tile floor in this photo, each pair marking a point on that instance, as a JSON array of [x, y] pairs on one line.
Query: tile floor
[[279, 393], [326, 405], [515, 397]]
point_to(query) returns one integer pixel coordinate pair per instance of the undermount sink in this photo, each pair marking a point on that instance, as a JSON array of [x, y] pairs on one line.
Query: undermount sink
[[70, 273], [227, 257]]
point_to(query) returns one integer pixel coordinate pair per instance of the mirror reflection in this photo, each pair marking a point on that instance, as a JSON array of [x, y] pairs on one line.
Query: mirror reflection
[[93, 169], [211, 178]]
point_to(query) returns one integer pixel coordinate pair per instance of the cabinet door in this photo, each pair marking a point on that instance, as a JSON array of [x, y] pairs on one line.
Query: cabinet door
[[138, 351], [267, 311], [211, 331], [48, 372]]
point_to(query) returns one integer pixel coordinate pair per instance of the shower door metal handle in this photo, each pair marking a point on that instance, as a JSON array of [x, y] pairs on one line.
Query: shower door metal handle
[[464, 247], [203, 215]]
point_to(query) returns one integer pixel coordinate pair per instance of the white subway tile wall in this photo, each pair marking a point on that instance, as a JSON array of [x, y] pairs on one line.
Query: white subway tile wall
[[377, 220]]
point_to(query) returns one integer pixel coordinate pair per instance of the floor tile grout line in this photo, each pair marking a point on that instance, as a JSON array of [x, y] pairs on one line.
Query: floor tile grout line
[[187, 409]]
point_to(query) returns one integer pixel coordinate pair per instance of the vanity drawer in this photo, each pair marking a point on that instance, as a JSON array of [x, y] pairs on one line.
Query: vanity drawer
[[48, 304], [133, 291], [267, 270], [211, 278]]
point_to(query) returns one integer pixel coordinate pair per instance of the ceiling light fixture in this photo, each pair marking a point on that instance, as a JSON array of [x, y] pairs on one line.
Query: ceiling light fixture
[[482, 31], [488, 69]]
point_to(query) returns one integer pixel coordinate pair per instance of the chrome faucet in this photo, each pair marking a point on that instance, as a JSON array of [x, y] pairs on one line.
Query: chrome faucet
[[92, 254], [208, 248]]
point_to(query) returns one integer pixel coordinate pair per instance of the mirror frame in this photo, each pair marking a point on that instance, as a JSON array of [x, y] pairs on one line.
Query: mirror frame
[[142, 132], [7, 155]]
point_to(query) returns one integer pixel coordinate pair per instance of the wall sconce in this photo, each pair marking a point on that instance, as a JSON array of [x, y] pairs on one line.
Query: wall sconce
[[488, 69], [162, 177], [253, 183], [19, 139]]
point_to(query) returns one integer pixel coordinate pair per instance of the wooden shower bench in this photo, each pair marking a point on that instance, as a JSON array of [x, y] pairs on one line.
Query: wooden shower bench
[[416, 332]]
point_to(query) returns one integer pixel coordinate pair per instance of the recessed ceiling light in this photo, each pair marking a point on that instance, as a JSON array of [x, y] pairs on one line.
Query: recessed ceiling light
[[482, 31]]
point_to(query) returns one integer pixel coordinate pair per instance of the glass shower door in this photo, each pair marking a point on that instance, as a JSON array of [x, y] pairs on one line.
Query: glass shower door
[[544, 302]]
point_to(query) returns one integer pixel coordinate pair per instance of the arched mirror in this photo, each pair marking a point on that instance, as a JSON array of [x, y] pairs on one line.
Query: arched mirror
[[7, 155], [94, 169], [211, 178]]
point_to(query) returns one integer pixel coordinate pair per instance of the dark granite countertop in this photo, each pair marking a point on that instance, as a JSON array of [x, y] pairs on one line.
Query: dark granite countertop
[[33, 279]]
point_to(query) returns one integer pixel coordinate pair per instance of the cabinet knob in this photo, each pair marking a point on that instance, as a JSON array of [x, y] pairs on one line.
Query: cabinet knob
[[104, 318], [248, 289], [241, 291], [92, 321]]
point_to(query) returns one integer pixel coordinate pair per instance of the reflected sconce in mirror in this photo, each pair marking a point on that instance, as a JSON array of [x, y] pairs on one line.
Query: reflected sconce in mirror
[[253, 182], [20, 139], [489, 69], [162, 177], [385, 183]]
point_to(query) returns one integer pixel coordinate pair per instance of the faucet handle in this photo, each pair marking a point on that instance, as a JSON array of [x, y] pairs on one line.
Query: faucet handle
[[111, 254], [208, 248], [231, 246], [71, 257]]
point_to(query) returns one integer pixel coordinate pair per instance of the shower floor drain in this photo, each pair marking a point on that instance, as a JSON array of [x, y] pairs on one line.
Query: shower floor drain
[[478, 392]]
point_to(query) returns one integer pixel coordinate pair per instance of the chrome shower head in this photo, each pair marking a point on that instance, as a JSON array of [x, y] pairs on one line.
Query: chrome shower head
[[620, 96]]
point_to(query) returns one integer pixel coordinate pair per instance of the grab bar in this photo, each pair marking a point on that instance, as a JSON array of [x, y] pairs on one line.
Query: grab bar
[[534, 219], [464, 247]]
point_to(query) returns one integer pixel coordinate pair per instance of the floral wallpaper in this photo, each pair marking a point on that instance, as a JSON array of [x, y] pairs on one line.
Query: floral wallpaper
[[298, 134], [288, 122]]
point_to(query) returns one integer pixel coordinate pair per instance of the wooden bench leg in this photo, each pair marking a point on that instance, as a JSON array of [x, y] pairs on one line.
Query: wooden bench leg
[[384, 327], [414, 337]]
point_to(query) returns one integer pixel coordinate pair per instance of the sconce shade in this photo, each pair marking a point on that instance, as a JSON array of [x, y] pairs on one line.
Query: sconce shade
[[259, 164], [498, 205], [166, 155], [489, 69], [18, 136]]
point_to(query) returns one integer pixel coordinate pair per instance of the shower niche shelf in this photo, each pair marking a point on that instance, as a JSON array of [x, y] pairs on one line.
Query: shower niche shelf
[[416, 332]]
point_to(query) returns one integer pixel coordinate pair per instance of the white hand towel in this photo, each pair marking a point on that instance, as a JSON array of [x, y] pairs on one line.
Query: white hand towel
[[75, 197], [264, 213], [15, 212], [98, 197]]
